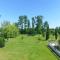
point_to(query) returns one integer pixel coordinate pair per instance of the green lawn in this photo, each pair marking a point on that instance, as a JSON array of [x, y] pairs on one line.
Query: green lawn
[[30, 48]]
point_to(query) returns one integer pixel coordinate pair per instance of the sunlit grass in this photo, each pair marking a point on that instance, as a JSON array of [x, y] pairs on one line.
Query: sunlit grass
[[28, 48]]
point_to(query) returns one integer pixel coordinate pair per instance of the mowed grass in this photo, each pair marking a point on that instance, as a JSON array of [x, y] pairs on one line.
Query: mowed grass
[[26, 47]]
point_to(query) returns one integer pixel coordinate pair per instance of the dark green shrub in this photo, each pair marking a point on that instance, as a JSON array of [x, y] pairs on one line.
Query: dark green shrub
[[56, 33], [2, 42], [47, 33], [39, 38], [10, 31]]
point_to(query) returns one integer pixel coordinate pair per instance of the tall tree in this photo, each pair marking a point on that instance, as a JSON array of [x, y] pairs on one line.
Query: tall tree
[[39, 23], [33, 23], [21, 22], [25, 22], [46, 25], [47, 33], [16, 24], [43, 31], [52, 31], [56, 32], [28, 24], [28, 29]]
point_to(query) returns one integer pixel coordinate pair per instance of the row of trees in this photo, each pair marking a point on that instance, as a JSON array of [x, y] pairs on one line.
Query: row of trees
[[26, 26], [31, 27], [37, 26]]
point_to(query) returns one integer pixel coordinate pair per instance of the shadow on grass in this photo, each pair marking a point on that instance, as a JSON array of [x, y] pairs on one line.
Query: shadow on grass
[[31, 34]]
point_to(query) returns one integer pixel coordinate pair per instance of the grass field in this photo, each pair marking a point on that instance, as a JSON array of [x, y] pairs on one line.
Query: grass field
[[26, 47]]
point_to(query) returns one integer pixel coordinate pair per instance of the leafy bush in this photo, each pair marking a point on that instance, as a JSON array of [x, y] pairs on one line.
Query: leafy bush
[[2, 42], [39, 38], [10, 31]]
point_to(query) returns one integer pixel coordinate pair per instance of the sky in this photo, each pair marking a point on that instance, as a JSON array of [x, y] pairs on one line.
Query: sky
[[10, 10]]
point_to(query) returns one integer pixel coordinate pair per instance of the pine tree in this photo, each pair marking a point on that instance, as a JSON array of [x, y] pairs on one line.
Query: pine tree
[[47, 33], [56, 31]]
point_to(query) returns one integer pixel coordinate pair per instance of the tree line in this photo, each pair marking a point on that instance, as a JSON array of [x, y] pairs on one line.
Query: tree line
[[35, 27], [25, 26], [31, 27]]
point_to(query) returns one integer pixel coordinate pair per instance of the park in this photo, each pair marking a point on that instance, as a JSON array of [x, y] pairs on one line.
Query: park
[[29, 29], [19, 41]]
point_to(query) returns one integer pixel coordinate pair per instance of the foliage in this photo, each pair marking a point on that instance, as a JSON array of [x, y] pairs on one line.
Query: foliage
[[46, 25], [10, 31], [52, 31], [32, 31], [47, 33], [28, 24], [39, 24], [23, 22], [56, 32], [2, 42], [36, 27], [33, 22]]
